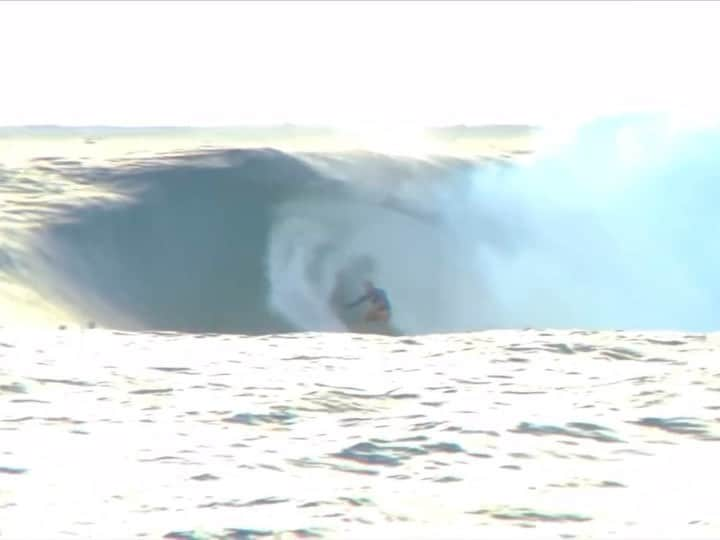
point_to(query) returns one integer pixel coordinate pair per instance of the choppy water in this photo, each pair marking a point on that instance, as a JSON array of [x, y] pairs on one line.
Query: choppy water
[[504, 434]]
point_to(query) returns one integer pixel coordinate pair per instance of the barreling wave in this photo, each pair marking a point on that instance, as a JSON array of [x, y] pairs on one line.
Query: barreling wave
[[616, 228]]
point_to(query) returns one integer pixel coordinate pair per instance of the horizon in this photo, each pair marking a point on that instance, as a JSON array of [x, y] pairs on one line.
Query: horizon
[[256, 126], [459, 140]]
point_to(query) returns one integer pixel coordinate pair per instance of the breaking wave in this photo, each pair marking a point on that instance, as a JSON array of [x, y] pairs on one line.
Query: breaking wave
[[613, 227]]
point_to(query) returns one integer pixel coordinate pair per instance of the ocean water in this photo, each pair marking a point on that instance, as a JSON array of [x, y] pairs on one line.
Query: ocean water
[[499, 434], [612, 227], [175, 360]]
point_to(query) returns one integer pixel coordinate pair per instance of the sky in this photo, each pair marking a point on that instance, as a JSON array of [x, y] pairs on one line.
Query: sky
[[345, 63]]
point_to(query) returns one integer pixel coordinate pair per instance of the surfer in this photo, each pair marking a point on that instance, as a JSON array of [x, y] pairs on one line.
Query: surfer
[[379, 309]]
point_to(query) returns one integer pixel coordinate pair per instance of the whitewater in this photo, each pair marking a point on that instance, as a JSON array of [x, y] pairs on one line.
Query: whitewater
[[176, 360]]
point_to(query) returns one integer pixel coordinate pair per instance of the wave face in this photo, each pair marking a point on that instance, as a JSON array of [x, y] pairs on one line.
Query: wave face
[[614, 228]]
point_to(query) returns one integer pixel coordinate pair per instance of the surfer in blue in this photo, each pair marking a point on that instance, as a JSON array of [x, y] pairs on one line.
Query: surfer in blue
[[379, 309]]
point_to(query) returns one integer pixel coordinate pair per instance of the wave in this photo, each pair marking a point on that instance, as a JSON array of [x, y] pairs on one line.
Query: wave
[[613, 228]]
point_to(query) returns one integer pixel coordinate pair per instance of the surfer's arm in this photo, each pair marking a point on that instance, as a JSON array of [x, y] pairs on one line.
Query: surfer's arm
[[358, 301]]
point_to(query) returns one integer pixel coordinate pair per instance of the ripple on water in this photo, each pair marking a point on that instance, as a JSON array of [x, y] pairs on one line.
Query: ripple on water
[[584, 431], [255, 447], [12, 470]]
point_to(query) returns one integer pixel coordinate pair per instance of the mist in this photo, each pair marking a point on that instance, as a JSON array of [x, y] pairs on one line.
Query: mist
[[614, 228]]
